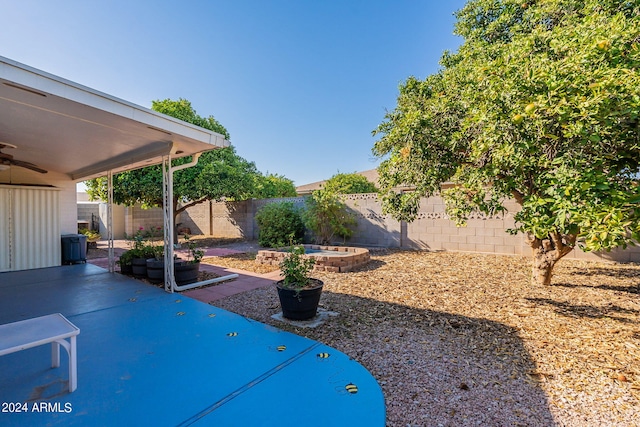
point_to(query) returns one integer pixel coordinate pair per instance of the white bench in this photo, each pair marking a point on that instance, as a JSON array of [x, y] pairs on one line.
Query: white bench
[[54, 329]]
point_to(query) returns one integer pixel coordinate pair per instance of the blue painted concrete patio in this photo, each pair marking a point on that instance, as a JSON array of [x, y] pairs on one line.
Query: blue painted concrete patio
[[146, 357]]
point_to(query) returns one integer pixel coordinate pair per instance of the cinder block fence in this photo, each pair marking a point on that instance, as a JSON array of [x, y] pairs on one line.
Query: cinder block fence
[[432, 229]]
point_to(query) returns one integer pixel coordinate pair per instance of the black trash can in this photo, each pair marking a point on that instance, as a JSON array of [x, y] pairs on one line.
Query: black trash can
[[74, 248]]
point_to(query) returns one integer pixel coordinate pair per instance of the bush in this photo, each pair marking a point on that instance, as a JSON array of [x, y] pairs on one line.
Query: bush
[[328, 216], [280, 225]]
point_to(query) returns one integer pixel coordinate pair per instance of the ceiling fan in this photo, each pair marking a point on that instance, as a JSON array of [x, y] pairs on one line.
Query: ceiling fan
[[8, 160]]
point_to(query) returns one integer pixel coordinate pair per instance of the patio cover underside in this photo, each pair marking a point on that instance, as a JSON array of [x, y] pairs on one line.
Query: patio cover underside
[[146, 357], [61, 126], [64, 127]]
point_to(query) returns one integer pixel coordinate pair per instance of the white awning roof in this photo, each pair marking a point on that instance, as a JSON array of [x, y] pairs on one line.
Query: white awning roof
[[65, 127]]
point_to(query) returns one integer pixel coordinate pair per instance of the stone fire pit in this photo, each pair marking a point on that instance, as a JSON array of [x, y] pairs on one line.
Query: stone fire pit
[[338, 259]]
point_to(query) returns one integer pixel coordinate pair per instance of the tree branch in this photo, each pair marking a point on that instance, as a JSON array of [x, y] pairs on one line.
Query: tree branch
[[190, 204], [518, 196], [559, 241]]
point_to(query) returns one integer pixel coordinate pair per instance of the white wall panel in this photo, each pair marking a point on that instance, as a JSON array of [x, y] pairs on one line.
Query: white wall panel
[[30, 218], [5, 238]]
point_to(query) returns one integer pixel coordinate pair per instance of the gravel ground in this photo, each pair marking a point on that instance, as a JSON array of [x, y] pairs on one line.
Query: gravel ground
[[465, 340]]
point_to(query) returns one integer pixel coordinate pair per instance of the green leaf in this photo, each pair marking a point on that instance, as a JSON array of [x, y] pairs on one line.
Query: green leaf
[[528, 107], [635, 199]]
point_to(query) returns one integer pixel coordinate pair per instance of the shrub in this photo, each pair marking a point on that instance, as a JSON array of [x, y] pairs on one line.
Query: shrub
[[280, 225], [295, 268], [327, 216]]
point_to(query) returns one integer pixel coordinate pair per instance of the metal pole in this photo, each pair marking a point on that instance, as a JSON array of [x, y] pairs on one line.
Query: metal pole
[[167, 207], [167, 190], [112, 258]]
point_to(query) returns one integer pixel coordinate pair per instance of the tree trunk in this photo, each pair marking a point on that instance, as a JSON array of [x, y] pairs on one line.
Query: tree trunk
[[177, 211], [546, 253]]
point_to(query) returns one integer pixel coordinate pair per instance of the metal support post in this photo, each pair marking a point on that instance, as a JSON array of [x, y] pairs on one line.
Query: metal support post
[[111, 253]]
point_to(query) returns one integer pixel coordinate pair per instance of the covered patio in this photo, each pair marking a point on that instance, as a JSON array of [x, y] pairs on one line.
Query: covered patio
[[144, 356], [149, 357]]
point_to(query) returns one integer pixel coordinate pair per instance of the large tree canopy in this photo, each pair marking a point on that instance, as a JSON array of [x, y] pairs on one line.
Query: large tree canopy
[[220, 174], [272, 186], [540, 104], [349, 183]]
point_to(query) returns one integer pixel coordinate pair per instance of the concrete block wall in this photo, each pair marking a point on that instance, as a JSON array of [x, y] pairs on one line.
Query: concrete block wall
[[87, 209], [135, 218], [196, 219], [220, 219], [231, 219], [217, 219], [432, 229], [373, 228]]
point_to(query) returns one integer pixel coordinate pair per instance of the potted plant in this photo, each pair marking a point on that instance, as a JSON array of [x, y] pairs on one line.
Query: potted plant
[[187, 271], [155, 265], [299, 294], [139, 261], [124, 261], [140, 251]]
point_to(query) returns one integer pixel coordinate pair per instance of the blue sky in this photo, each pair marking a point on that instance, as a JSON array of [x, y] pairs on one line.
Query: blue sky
[[299, 84]]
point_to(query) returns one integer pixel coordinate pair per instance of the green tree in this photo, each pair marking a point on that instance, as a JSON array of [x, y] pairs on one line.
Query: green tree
[[327, 216], [273, 186], [182, 110], [350, 183], [220, 173], [540, 104]]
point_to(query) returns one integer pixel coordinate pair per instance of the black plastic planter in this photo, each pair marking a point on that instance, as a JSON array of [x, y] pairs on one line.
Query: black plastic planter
[[139, 267], [155, 269], [186, 273], [302, 305]]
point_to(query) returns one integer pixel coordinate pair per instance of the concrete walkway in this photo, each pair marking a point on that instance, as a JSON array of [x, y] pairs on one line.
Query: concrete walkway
[[246, 280]]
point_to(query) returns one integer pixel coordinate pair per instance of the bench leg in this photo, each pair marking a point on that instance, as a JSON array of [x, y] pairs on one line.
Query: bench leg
[[55, 354], [70, 346], [73, 371]]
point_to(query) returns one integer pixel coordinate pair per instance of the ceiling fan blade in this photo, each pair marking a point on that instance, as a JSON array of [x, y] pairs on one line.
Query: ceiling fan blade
[[6, 156], [28, 166]]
